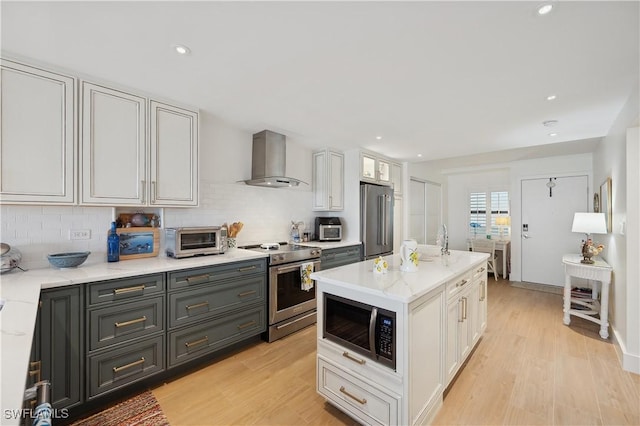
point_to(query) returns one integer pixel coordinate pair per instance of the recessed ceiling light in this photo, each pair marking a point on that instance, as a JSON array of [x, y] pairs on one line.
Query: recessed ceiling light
[[181, 49], [551, 97], [419, 155], [550, 123], [544, 9], [378, 137], [553, 134]]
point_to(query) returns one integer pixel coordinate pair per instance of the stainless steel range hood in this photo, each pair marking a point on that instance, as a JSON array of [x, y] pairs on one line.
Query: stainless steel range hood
[[268, 161]]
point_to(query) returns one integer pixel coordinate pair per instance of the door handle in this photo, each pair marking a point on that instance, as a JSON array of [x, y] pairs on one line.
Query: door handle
[[526, 236]]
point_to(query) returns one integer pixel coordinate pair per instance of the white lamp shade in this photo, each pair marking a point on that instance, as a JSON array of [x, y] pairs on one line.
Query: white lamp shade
[[589, 223]]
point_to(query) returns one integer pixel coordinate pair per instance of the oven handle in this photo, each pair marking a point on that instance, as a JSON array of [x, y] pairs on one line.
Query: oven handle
[[289, 268], [373, 319]]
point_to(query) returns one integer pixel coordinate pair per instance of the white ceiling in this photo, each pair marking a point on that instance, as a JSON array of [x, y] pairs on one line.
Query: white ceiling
[[441, 79]]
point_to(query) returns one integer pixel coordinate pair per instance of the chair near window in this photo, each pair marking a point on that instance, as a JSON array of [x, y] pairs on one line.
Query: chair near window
[[487, 246]]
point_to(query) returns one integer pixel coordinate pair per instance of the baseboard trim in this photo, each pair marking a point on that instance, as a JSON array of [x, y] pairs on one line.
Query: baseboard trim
[[629, 362]]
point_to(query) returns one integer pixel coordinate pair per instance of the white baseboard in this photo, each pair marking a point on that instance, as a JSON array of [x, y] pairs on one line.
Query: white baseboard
[[630, 362]]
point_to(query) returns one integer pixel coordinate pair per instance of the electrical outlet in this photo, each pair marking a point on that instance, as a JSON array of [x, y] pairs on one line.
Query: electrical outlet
[[80, 234]]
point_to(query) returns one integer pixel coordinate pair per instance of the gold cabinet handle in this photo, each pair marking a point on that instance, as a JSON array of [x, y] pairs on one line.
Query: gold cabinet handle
[[246, 324], [198, 278], [460, 310], [480, 270], [246, 293], [483, 290], [143, 184], [205, 339], [247, 268], [118, 291], [352, 358], [153, 192], [464, 308], [461, 283], [352, 396], [197, 305], [131, 322], [132, 364]]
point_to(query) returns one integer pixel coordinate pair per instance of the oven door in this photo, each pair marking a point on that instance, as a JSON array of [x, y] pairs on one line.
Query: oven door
[[286, 296]]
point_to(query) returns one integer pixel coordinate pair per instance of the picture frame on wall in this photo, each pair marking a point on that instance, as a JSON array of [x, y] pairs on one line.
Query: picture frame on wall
[[605, 202]]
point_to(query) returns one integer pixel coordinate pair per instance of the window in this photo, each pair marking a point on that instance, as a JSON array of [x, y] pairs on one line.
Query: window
[[484, 209]]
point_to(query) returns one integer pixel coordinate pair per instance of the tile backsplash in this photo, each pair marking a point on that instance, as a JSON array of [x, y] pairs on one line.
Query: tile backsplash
[[266, 213]]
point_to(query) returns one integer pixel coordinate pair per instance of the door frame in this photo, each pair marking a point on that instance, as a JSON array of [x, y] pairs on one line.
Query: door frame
[[516, 214]]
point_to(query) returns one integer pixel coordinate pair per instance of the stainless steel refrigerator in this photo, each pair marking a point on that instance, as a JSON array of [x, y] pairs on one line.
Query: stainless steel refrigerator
[[376, 220]]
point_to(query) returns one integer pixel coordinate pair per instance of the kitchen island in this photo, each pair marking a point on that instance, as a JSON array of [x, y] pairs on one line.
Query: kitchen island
[[438, 315]]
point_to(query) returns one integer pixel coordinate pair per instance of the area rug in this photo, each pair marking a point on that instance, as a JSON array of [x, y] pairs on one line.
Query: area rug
[[141, 410]]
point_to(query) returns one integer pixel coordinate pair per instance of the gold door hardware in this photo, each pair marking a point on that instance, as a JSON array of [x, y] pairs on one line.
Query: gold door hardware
[[461, 283], [128, 289], [246, 324], [131, 322], [132, 364], [205, 339], [197, 305], [480, 270], [352, 358], [198, 279], [247, 268], [246, 293], [464, 310], [350, 395], [483, 291]]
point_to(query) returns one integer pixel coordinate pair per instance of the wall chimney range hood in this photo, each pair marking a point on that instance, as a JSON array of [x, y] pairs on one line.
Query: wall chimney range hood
[[268, 161]]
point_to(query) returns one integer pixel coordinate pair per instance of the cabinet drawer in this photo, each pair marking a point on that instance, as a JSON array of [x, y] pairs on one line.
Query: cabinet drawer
[[126, 289], [361, 399], [458, 284], [186, 307], [333, 258], [116, 368], [125, 321], [197, 340], [193, 277]]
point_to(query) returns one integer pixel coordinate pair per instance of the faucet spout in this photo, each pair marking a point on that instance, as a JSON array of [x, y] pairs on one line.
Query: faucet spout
[[444, 241]]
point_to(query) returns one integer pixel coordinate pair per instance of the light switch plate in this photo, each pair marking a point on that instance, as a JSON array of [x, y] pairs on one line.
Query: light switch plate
[[80, 234]]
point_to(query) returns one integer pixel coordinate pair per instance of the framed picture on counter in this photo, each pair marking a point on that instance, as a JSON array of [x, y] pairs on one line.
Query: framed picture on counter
[[136, 243]]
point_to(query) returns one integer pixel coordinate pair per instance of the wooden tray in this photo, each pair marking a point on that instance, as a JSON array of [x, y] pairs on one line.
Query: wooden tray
[[138, 242]]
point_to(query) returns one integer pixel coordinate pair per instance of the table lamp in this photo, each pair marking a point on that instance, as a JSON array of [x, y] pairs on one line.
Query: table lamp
[[503, 221], [589, 223]]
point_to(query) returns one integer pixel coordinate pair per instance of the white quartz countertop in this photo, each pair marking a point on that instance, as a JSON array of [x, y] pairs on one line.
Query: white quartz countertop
[[404, 287], [21, 292], [330, 244]]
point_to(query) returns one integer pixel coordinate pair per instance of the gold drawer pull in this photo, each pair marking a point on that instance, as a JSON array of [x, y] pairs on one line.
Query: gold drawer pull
[[131, 322], [247, 268], [461, 283], [247, 293], [197, 305], [480, 270], [133, 364], [128, 289], [198, 278], [205, 339], [352, 358], [355, 398], [246, 324]]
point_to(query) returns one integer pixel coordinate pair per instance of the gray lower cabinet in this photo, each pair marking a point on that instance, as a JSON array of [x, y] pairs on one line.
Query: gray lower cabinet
[[126, 334], [58, 346], [340, 256], [213, 307]]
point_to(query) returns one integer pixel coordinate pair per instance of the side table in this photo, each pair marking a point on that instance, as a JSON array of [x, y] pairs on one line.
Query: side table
[[598, 271]]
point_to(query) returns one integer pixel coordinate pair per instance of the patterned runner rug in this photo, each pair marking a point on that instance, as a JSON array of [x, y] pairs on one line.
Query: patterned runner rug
[[141, 410]]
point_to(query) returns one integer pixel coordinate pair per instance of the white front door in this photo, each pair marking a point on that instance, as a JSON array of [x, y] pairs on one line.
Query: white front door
[[547, 216]]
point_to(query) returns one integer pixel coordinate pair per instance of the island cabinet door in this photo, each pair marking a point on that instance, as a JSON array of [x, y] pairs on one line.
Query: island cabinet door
[[426, 356]]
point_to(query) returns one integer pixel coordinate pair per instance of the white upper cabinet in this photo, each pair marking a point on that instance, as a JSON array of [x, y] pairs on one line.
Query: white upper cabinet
[[174, 155], [328, 180], [38, 138], [114, 147], [122, 164], [375, 168], [396, 179]]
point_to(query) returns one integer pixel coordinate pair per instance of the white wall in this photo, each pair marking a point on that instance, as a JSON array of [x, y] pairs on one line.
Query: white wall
[[225, 158], [617, 157]]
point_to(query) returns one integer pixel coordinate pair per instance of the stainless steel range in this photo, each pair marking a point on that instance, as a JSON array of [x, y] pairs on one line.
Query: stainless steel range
[[291, 307]]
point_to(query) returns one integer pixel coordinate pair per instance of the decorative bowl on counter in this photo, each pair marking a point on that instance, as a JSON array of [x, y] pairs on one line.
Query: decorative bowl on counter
[[68, 260]]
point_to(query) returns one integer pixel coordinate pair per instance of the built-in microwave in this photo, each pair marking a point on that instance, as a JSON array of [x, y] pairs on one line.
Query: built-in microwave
[[363, 328], [195, 241]]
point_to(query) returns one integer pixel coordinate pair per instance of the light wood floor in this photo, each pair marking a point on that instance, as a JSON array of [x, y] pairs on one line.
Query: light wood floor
[[528, 369]]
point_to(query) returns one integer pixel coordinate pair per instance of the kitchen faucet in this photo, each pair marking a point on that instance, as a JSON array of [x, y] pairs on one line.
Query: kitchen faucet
[[444, 241]]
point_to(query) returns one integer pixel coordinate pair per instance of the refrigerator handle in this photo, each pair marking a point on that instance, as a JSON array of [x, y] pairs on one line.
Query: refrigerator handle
[[379, 225], [383, 220]]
